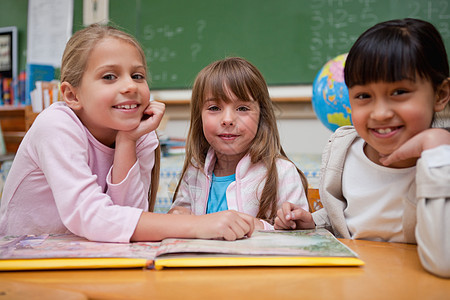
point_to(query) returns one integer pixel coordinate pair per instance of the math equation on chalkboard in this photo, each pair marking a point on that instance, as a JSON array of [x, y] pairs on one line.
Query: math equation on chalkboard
[[331, 22], [289, 40]]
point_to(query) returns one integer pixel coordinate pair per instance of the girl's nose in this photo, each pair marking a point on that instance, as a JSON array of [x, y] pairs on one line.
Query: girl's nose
[[228, 118], [227, 123], [129, 86], [381, 111]]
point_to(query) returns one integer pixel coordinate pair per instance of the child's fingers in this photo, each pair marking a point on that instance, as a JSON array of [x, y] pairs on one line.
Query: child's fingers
[[299, 215], [158, 106], [246, 223], [152, 117], [155, 108], [281, 222], [414, 147], [233, 233], [229, 225], [287, 209], [154, 112], [303, 219], [242, 225], [406, 151]]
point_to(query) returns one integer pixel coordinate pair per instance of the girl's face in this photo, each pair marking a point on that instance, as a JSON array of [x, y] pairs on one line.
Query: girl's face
[[387, 114], [230, 127], [113, 93]]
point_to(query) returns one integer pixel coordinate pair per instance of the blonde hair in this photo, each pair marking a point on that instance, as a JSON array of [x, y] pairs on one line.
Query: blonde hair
[[80, 45], [244, 80], [73, 65]]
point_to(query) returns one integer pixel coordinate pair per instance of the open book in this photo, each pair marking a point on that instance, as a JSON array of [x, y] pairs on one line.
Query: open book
[[316, 247]]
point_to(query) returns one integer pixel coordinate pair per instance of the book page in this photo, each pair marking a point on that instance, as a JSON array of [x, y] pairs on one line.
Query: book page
[[71, 246], [310, 243]]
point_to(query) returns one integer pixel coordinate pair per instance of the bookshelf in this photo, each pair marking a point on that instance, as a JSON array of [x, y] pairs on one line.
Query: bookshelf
[[15, 121]]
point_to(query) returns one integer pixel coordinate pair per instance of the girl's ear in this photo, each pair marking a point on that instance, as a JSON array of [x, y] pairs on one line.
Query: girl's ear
[[443, 95], [69, 94]]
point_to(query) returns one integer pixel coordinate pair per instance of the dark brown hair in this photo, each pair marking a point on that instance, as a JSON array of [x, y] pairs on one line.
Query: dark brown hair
[[396, 50]]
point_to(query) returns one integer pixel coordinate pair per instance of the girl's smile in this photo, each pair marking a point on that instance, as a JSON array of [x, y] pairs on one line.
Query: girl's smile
[[386, 132], [131, 109], [387, 114], [228, 136], [126, 106], [113, 93]]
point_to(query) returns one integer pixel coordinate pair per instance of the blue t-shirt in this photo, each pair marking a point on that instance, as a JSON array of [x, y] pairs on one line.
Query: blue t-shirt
[[217, 199]]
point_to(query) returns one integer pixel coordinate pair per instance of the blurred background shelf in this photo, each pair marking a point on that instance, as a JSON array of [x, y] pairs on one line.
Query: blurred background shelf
[[14, 122]]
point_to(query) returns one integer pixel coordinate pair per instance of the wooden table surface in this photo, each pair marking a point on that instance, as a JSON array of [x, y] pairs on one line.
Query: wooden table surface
[[391, 271]]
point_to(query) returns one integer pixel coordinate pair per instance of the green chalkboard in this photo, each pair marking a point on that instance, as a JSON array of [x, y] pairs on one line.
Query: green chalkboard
[[288, 40]]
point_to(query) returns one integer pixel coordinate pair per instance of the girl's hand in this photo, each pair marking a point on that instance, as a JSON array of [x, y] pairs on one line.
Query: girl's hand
[[150, 121], [229, 225], [180, 210], [259, 225], [291, 216], [125, 153], [414, 147]]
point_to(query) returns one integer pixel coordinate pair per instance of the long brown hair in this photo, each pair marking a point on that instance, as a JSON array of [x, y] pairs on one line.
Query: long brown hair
[[245, 81]]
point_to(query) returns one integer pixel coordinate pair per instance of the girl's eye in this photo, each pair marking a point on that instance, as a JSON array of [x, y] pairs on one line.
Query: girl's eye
[[138, 76], [399, 92], [362, 96], [109, 77], [213, 108], [243, 108]]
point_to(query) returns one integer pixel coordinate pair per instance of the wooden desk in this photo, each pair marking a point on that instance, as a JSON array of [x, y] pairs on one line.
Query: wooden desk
[[392, 271]]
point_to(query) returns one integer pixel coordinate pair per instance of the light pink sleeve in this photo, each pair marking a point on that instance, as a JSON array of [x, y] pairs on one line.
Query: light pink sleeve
[[290, 186], [84, 207], [133, 190]]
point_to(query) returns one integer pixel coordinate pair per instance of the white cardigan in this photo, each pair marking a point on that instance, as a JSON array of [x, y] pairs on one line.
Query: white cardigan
[[427, 222]]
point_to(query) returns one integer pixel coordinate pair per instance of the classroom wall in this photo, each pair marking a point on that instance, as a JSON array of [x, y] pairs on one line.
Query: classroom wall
[[300, 131], [299, 128]]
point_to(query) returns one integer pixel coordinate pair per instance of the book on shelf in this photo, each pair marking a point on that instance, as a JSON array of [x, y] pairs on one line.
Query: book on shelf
[[36, 72], [45, 94], [7, 93], [317, 247], [173, 146], [21, 89]]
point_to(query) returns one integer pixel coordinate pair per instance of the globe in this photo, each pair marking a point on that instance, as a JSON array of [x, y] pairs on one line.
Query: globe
[[330, 94]]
